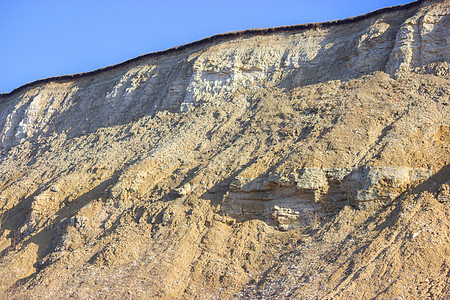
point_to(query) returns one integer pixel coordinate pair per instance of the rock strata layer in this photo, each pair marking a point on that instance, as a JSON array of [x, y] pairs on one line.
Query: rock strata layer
[[314, 190]]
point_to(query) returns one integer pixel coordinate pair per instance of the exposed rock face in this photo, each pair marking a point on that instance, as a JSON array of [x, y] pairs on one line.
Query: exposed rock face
[[308, 190], [290, 162], [395, 42]]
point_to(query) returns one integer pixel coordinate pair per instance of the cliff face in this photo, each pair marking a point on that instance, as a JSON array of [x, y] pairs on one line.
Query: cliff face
[[393, 42], [211, 168]]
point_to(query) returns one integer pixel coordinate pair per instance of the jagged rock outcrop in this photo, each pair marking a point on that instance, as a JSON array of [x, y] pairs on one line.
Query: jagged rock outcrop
[[314, 190], [308, 161]]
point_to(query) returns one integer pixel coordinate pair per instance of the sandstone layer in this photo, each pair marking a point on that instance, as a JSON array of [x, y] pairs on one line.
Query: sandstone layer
[[305, 162]]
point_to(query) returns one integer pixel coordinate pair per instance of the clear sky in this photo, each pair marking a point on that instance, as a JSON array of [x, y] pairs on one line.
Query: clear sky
[[45, 38]]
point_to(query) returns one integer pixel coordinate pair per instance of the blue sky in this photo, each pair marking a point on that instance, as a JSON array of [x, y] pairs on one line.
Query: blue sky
[[45, 38]]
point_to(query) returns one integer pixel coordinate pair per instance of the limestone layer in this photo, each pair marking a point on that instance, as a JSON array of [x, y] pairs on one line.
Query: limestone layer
[[394, 42]]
